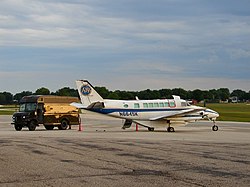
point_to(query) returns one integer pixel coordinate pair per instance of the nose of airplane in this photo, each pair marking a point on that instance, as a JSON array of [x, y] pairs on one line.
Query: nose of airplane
[[211, 114]]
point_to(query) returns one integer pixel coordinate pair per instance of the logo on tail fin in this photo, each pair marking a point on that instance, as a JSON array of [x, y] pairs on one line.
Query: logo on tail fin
[[85, 90]]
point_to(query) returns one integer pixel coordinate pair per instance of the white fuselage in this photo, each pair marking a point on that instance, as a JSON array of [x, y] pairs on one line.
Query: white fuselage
[[149, 110]]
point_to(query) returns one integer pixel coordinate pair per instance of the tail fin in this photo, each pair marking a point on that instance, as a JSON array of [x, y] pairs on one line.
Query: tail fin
[[87, 93]]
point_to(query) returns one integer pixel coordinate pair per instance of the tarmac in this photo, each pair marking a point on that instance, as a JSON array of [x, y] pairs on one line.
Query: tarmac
[[103, 154]]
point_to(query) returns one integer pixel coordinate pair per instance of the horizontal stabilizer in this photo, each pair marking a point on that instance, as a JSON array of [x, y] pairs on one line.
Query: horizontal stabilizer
[[78, 105]]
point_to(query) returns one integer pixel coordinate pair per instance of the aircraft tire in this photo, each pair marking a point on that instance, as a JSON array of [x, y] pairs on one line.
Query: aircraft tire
[[170, 129], [215, 128], [151, 128]]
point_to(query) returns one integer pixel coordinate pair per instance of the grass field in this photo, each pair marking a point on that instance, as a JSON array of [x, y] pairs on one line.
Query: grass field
[[232, 111], [228, 111], [8, 109]]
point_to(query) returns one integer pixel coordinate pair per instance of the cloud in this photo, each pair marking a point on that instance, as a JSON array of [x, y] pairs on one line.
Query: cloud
[[165, 39], [138, 82], [87, 24], [240, 53]]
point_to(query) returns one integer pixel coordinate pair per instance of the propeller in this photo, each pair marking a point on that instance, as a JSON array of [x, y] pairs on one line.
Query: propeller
[[202, 113]]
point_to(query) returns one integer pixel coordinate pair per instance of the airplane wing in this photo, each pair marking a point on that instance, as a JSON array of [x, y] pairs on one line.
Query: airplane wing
[[175, 114]]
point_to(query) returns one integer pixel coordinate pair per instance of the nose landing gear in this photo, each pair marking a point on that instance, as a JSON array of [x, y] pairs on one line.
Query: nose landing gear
[[215, 127]]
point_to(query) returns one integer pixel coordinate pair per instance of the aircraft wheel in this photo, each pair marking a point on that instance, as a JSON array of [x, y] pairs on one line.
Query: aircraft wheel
[[170, 129], [215, 128], [151, 128]]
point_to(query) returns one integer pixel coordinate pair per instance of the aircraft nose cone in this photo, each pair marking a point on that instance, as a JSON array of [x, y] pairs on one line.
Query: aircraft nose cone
[[212, 113], [217, 114]]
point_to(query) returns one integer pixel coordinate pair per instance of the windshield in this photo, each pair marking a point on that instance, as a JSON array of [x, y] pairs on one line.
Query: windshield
[[27, 107]]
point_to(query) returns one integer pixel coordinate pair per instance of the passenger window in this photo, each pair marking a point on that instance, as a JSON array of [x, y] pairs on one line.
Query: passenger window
[[136, 105], [172, 104], [156, 105], [161, 105], [145, 105], [150, 105], [166, 104], [125, 105]]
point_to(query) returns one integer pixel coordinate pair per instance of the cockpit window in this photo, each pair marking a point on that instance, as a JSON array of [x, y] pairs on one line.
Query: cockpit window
[[27, 107]]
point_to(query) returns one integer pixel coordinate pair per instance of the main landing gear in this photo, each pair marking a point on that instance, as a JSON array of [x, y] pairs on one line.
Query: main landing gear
[[151, 128], [170, 129]]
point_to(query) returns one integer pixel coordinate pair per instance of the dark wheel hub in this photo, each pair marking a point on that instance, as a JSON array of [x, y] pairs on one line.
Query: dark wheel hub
[[32, 126], [64, 125], [170, 129], [215, 128]]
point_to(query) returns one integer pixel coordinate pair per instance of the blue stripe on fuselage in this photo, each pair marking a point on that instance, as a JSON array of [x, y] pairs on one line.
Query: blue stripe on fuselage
[[112, 110]]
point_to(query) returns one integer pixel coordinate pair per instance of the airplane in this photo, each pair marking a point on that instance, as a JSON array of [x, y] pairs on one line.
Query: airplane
[[146, 113]]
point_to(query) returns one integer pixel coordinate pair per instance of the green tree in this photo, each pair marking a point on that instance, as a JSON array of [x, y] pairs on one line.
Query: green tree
[[166, 93], [2, 99], [18, 96], [214, 94], [180, 92], [207, 95], [125, 95], [189, 95], [198, 95], [66, 91], [8, 98], [223, 94], [247, 96], [239, 93], [148, 94], [113, 95], [103, 91], [42, 91]]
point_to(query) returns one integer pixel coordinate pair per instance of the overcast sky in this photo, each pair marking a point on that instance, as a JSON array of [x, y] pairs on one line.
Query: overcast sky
[[124, 44]]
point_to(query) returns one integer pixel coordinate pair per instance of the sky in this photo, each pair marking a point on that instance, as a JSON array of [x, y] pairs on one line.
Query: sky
[[124, 44]]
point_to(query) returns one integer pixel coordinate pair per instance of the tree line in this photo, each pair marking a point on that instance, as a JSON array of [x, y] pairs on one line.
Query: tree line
[[8, 98], [213, 95]]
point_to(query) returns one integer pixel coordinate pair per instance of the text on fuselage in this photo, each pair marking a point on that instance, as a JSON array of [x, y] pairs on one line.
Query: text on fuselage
[[128, 113]]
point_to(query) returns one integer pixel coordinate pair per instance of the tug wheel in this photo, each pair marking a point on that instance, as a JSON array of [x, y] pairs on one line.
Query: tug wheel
[[64, 124], [18, 127], [32, 126]]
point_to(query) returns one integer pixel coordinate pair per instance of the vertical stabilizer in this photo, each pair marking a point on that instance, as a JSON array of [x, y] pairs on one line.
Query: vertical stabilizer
[[87, 93]]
